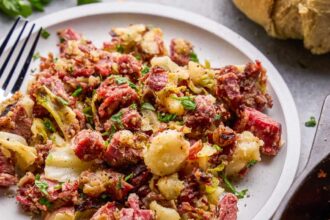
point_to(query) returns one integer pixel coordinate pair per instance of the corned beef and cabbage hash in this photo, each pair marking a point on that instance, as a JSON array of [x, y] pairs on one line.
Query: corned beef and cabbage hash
[[132, 131]]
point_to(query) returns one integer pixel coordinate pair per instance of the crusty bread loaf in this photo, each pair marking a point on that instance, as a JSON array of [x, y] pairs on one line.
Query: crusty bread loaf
[[308, 20]]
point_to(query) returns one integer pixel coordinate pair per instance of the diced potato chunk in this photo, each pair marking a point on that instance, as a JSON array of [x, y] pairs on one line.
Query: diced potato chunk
[[247, 149], [163, 213], [167, 152], [170, 186]]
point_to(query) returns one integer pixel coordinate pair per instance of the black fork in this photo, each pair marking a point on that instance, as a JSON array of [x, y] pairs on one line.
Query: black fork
[[10, 78]]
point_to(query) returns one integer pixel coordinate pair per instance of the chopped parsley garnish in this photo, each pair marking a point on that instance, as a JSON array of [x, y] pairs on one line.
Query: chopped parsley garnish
[[36, 56], [133, 106], [58, 186], [164, 117], [88, 114], [119, 185], [45, 34], [217, 147], [311, 122], [117, 118], [239, 194], [121, 80], [62, 101], [49, 125], [106, 143], [120, 48], [43, 186], [187, 102], [251, 163], [44, 201], [62, 40], [193, 57], [128, 177], [77, 92], [217, 117], [138, 56], [145, 70], [148, 106], [84, 2]]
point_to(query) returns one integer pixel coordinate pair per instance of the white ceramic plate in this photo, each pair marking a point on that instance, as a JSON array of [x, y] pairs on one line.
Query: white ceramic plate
[[268, 181]]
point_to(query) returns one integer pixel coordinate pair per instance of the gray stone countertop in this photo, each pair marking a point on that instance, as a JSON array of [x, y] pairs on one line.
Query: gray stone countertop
[[307, 75]]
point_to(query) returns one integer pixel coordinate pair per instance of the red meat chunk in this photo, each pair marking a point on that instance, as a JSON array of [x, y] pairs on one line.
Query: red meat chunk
[[45, 194], [227, 208], [17, 121], [157, 79], [131, 119], [245, 87], [113, 96], [88, 145], [204, 113], [262, 126], [130, 66], [106, 212], [69, 34], [134, 212], [7, 171], [181, 50], [122, 151]]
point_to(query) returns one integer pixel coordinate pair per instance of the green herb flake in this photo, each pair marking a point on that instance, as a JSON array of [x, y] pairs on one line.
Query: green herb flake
[[128, 177], [229, 185], [138, 56], [164, 117], [133, 106], [43, 186], [187, 102], [193, 57], [106, 143], [37, 5], [44, 201], [58, 186], [148, 106], [119, 184], [217, 147], [117, 118], [62, 101], [84, 2], [121, 80], [49, 125], [145, 70], [36, 56], [251, 163], [311, 122], [45, 34], [120, 48], [217, 117], [77, 92]]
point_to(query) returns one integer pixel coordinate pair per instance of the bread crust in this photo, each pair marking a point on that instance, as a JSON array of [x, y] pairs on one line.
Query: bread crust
[[308, 20]]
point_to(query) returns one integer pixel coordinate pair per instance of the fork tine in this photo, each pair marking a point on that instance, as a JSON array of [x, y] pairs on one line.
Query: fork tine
[[5, 41], [17, 59], [12, 50], [26, 65]]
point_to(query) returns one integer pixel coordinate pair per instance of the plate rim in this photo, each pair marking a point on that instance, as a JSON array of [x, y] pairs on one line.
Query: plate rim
[[279, 86]]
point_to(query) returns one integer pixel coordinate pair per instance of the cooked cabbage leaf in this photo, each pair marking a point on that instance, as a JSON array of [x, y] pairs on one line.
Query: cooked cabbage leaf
[[25, 154], [62, 164], [63, 115]]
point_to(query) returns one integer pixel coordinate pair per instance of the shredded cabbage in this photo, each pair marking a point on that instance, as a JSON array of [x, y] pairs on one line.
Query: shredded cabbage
[[63, 115]]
